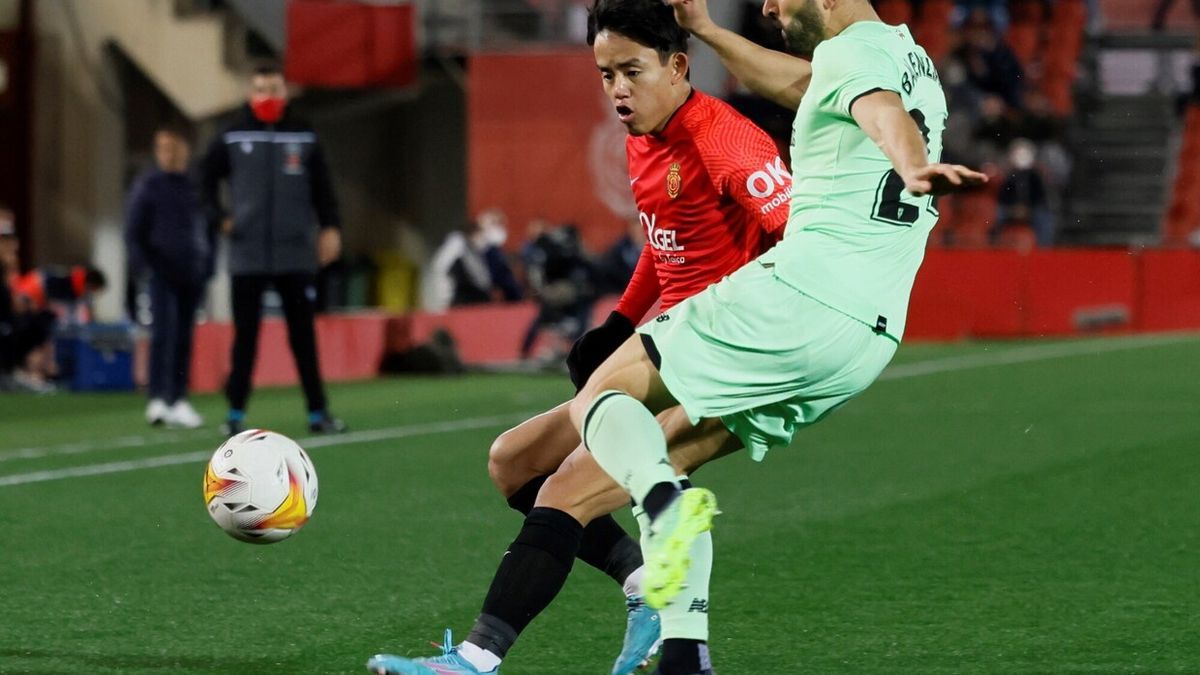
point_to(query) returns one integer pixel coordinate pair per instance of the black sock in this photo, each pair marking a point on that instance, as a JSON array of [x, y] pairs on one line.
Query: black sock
[[607, 547], [657, 499], [526, 496], [681, 656], [530, 575]]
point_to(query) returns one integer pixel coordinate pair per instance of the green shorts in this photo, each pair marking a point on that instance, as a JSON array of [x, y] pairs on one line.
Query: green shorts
[[763, 356]]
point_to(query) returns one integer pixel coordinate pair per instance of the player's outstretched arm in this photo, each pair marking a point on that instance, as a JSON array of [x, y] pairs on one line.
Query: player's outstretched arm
[[780, 77], [882, 116]]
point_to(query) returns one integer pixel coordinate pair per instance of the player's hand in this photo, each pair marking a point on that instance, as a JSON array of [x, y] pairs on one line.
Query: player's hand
[[940, 179], [596, 345], [227, 226], [329, 245], [691, 15]]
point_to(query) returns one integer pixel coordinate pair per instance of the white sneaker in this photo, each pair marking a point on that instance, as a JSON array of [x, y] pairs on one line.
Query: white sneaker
[[156, 412], [182, 414]]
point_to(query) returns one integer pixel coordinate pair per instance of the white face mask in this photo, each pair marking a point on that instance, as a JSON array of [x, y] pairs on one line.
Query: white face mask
[[1023, 156], [494, 235]]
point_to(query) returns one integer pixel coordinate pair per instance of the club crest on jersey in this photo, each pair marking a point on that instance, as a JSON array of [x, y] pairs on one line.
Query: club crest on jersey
[[674, 181]]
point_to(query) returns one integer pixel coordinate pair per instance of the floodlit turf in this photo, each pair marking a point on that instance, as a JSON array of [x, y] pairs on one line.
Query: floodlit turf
[[1040, 516]]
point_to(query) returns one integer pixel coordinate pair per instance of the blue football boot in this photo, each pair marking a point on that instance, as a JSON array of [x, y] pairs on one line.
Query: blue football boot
[[642, 631], [449, 663]]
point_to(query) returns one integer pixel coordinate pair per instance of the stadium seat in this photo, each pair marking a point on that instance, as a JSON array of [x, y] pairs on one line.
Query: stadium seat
[[972, 215], [1183, 211], [894, 12], [932, 28], [1023, 40], [1018, 236], [1029, 12]]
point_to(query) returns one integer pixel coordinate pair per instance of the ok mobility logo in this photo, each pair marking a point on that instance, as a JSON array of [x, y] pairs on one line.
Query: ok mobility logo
[[773, 183]]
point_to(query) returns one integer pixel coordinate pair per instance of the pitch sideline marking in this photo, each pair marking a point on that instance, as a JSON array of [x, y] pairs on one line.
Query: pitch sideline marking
[[316, 442], [897, 372], [1028, 354]]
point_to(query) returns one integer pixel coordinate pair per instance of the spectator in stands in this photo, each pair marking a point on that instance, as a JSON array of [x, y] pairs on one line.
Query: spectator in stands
[[169, 238], [1159, 22], [1163, 8], [493, 226], [615, 268], [996, 127], [470, 268], [996, 12], [990, 64], [563, 280], [8, 315], [67, 291], [285, 225], [533, 229], [45, 299], [1023, 198]]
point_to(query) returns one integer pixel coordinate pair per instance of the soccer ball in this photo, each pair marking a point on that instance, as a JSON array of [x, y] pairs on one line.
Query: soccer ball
[[260, 487]]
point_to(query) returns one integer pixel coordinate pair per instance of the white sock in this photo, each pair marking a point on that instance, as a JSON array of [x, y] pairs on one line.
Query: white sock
[[643, 521], [627, 442], [483, 660], [633, 583], [687, 615]]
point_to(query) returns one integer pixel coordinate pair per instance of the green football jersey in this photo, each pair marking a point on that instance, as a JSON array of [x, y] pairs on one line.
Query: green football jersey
[[855, 236]]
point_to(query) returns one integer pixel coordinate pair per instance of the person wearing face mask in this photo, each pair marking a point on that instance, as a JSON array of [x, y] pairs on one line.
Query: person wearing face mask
[[1023, 195], [168, 237], [284, 226], [470, 268], [493, 232]]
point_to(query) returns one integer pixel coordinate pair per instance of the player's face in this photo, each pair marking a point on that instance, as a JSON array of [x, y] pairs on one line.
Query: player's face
[[9, 247], [268, 86], [171, 152], [803, 23], [644, 91]]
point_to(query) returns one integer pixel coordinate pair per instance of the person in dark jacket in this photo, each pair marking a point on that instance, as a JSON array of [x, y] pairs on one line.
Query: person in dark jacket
[[168, 236], [284, 225], [9, 358]]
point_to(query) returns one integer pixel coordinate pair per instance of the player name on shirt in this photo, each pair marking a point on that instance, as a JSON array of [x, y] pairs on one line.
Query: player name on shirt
[[917, 66]]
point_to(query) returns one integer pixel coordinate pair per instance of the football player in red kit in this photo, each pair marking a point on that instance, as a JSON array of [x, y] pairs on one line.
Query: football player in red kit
[[712, 194]]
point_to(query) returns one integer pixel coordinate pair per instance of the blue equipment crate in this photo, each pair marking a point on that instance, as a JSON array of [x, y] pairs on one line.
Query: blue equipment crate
[[97, 357]]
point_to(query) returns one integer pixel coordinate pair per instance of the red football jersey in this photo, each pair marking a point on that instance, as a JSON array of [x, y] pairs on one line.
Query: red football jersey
[[712, 194]]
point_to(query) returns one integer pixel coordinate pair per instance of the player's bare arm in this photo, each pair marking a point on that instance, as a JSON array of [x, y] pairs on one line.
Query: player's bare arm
[[882, 116], [776, 76]]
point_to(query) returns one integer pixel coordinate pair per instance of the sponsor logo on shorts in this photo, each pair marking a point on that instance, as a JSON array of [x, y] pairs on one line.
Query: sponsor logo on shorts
[[662, 317], [698, 605]]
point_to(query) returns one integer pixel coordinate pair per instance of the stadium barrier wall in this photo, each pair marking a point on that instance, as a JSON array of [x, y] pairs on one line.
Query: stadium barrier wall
[[984, 294]]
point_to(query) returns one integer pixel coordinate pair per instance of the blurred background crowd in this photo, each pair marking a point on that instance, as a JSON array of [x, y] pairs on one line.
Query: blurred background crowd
[[466, 177]]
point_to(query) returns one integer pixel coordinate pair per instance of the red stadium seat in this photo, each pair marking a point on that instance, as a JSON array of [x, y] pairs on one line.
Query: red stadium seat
[[973, 216], [894, 12], [1023, 39], [932, 28], [1018, 236], [1183, 212], [1031, 12]]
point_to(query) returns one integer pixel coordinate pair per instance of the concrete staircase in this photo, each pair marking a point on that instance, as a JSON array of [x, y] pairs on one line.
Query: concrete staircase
[[1121, 155], [185, 55]]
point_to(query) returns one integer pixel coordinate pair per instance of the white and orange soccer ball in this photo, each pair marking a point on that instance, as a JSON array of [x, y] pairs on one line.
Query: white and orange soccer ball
[[260, 487]]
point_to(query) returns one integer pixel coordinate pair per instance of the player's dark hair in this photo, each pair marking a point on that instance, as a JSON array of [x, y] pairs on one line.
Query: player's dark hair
[[266, 69], [174, 129], [646, 22]]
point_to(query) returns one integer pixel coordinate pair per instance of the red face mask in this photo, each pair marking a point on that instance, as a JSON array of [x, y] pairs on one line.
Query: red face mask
[[268, 109]]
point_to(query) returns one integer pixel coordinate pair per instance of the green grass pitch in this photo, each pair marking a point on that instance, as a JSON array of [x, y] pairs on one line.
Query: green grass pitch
[[999, 508]]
